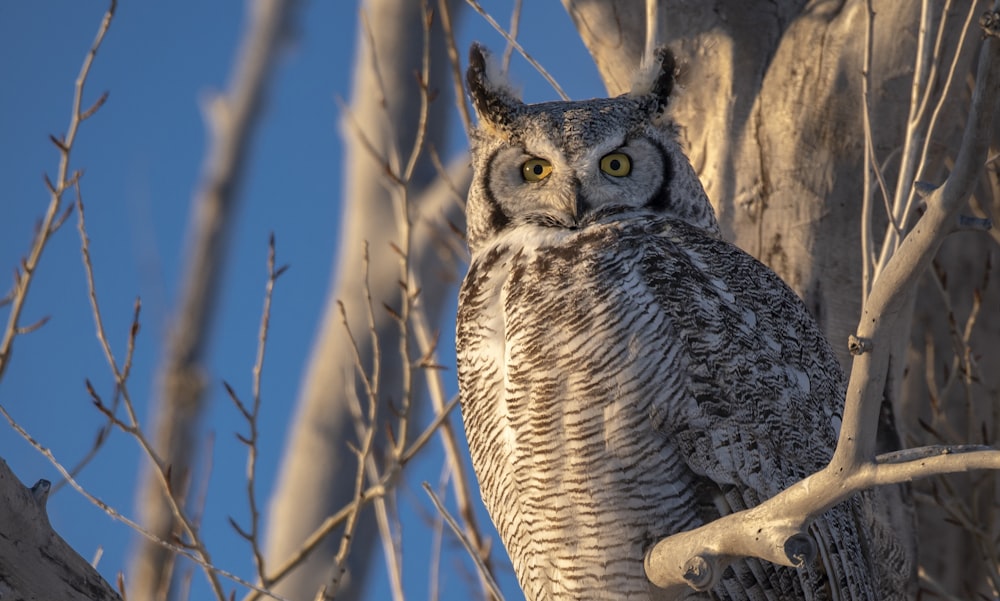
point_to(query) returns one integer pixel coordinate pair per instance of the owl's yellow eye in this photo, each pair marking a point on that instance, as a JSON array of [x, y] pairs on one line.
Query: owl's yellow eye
[[535, 170], [617, 164]]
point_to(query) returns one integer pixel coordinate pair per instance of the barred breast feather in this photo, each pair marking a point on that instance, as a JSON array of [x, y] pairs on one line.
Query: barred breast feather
[[635, 377]]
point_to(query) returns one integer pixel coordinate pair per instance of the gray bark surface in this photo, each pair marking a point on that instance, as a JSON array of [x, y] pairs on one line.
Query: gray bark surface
[[35, 562]]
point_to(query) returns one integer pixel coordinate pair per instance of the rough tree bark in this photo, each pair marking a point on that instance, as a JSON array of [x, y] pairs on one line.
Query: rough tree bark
[[35, 562], [318, 466]]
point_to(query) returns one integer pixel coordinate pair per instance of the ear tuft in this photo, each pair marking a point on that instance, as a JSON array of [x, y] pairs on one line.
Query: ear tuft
[[655, 77], [492, 95]]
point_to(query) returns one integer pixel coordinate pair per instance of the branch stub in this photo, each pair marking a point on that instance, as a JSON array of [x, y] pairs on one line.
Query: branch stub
[[990, 24], [857, 345], [800, 549], [40, 492], [698, 573]]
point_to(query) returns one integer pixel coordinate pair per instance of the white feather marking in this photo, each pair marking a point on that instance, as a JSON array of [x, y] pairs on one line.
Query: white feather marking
[[529, 238], [836, 423], [802, 380], [723, 289], [771, 343]]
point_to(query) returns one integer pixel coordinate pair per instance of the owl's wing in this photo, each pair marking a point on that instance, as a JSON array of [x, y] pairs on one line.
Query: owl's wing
[[760, 405]]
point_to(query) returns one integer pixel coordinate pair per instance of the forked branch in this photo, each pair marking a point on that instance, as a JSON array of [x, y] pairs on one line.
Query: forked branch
[[53, 219], [776, 530]]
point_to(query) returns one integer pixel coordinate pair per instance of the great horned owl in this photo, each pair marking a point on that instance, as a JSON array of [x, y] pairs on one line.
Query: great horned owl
[[626, 374]]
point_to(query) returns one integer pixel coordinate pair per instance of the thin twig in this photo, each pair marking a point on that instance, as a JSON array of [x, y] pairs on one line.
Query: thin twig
[[371, 383], [391, 162], [906, 196], [95, 306], [515, 23], [370, 494], [424, 78], [64, 180], [405, 221], [913, 131], [934, 586], [252, 415], [233, 118], [317, 537], [437, 539], [455, 64], [866, 195], [872, 162], [132, 427], [390, 532], [935, 63], [453, 455], [513, 42], [435, 426], [103, 433], [945, 93], [473, 553]]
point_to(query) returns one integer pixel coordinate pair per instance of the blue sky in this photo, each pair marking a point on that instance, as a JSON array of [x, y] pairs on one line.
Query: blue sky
[[142, 155]]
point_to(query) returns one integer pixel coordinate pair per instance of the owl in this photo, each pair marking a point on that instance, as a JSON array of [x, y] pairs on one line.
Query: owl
[[624, 372]]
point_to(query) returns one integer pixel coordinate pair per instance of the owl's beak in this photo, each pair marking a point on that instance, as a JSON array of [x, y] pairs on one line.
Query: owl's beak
[[569, 211], [572, 205]]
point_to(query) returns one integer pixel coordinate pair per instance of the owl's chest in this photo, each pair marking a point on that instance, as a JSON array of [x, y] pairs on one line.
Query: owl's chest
[[561, 356], [554, 343]]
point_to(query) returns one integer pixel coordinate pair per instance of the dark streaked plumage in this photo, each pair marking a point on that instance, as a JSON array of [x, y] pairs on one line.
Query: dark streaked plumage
[[625, 374]]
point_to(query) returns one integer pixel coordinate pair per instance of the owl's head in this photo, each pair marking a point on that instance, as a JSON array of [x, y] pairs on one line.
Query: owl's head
[[573, 164]]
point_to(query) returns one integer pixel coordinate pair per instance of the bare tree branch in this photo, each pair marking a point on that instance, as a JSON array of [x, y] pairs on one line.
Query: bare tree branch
[[232, 120], [895, 286], [484, 571], [252, 414], [64, 181], [187, 523], [510, 37], [387, 126]]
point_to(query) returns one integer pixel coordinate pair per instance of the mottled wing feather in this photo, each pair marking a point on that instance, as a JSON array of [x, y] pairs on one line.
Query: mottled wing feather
[[764, 395]]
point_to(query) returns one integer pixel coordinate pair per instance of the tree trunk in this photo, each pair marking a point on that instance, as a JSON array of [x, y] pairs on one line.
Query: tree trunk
[[770, 108]]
